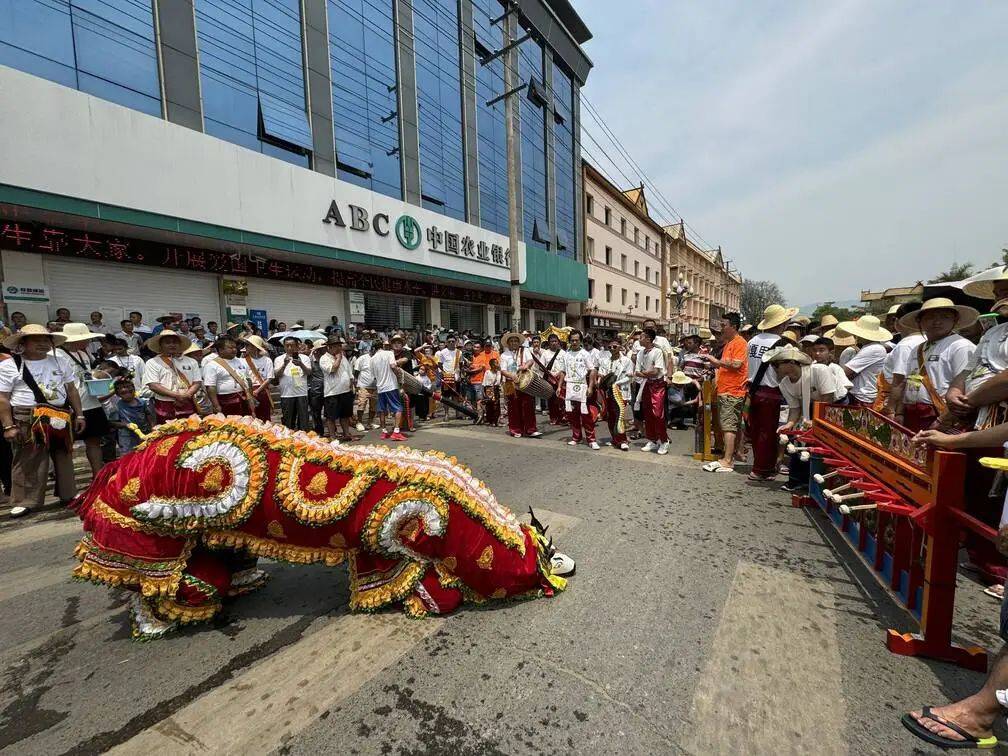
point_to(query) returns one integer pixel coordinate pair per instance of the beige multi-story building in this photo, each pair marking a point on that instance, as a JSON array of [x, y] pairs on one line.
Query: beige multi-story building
[[879, 302], [716, 288], [623, 251]]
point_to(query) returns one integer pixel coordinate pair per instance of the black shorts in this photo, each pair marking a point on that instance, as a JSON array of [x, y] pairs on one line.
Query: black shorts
[[96, 424], [340, 406]]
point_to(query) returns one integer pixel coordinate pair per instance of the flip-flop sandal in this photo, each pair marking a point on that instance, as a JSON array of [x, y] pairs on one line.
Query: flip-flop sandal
[[711, 466], [969, 740], [760, 478], [995, 591], [723, 469]]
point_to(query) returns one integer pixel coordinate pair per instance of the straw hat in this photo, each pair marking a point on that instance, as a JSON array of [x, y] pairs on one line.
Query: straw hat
[[985, 289], [511, 335], [1000, 307], [256, 341], [195, 349], [33, 329], [892, 310], [967, 315], [679, 378], [746, 328], [776, 315], [154, 342], [867, 327], [810, 339], [790, 335], [75, 332], [839, 338], [787, 354], [827, 322], [705, 334]]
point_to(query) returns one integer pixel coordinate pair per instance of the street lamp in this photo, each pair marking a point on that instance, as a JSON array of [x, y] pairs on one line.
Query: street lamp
[[681, 293]]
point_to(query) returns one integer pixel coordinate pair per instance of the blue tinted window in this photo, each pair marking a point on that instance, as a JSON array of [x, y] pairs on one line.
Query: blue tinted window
[[252, 75], [365, 108], [533, 147], [103, 47], [491, 138], [565, 173], [439, 105]]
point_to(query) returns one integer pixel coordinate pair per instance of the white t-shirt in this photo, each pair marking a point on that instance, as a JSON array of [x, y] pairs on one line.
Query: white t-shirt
[[575, 365], [52, 374], [157, 371], [511, 361], [381, 367], [492, 378], [821, 381], [555, 367], [622, 368], [652, 358], [899, 358], [293, 378], [81, 367], [134, 364], [841, 381], [866, 366], [264, 365], [133, 341], [365, 378], [449, 359], [943, 360], [847, 354], [542, 356], [339, 382], [217, 377], [989, 358], [758, 346]]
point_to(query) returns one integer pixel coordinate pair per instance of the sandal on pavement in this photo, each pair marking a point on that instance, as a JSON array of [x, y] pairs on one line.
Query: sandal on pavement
[[996, 591], [760, 478], [922, 732], [712, 466]]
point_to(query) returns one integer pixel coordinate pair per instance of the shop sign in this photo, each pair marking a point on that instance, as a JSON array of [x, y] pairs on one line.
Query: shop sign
[[86, 245], [357, 309], [16, 292]]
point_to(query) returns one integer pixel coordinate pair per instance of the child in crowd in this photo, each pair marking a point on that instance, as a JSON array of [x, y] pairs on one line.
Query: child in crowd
[[491, 394], [130, 409]]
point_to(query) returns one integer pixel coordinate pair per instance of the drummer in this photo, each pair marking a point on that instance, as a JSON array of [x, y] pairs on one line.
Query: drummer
[[514, 361], [552, 357], [615, 371]]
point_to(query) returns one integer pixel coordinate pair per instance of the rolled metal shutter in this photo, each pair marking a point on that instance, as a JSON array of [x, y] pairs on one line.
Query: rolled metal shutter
[[463, 316], [388, 312], [289, 302]]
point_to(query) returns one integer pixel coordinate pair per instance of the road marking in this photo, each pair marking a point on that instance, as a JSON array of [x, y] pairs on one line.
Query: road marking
[[35, 578], [772, 682], [39, 532], [287, 692]]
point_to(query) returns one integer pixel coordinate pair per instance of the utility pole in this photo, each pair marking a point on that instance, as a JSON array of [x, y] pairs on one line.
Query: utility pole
[[510, 53]]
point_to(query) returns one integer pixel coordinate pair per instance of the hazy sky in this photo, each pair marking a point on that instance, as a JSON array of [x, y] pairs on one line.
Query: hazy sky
[[827, 146]]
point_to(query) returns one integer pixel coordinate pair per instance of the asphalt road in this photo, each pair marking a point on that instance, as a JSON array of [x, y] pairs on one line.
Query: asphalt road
[[707, 616]]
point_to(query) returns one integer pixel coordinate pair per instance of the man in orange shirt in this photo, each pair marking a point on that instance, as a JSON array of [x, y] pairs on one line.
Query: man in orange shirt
[[480, 364], [732, 373]]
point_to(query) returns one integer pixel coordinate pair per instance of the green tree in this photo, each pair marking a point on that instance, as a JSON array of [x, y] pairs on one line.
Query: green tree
[[840, 313], [757, 296], [957, 272]]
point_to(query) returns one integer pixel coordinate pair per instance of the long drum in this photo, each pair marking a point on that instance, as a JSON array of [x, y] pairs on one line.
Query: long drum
[[607, 382], [410, 384], [534, 385]]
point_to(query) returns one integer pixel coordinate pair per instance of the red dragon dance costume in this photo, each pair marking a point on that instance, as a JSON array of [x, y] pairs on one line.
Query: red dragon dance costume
[[178, 519]]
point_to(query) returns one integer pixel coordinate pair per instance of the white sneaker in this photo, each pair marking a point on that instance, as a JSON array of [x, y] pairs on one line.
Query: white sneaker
[[375, 426], [594, 445], [625, 447], [663, 448], [19, 511], [572, 442], [360, 427], [649, 446], [535, 434], [562, 565]]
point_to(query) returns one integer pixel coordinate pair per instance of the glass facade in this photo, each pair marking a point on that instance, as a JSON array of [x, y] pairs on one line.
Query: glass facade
[[253, 88], [439, 106], [533, 146], [564, 92], [362, 62], [102, 47], [491, 144], [252, 75]]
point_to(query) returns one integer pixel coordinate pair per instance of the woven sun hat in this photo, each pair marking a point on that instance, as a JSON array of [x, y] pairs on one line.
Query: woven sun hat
[[839, 338], [827, 322], [154, 342], [967, 315], [511, 335], [33, 329], [256, 341], [679, 378], [867, 327], [705, 334], [76, 332], [790, 336], [892, 310], [810, 339], [803, 320], [1000, 307], [195, 349], [984, 289], [746, 328], [787, 354], [776, 315]]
